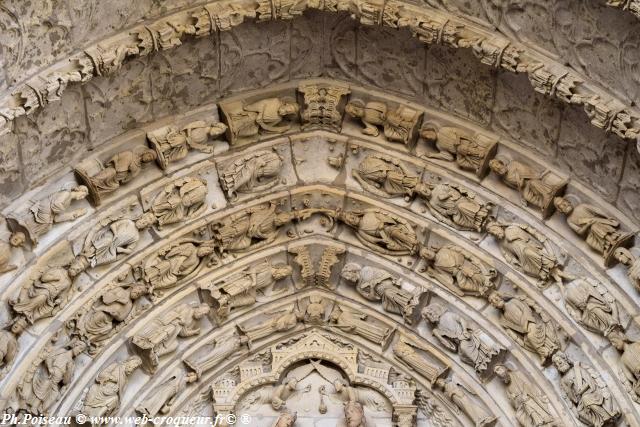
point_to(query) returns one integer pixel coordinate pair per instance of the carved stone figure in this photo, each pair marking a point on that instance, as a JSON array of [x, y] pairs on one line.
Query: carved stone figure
[[460, 271], [457, 206], [181, 200], [246, 122], [286, 420], [398, 125], [15, 241], [343, 393], [47, 212], [103, 397], [381, 231], [161, 336], [599, 231], [8, 349], [406, 352], [536, 188], [531, 406], [242, 289], [527, 250], [222, 348], [102, 179], [454, 333], [113, 308], [628, 259], [589, 303], [359, 324], [174, 263], [385, 176], [46, 379], [162, 397], [584, 388], [629, 363], [354, 414], [528, 325], [376, 284], [109, 240], [172, 144], [470, 153], [44, 296], [459, 396], [286, 390], [279, 321], [251, 173], [323, 106]]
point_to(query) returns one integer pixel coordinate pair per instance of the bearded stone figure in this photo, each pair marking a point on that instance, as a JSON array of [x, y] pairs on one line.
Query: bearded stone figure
[[181, 200], [528, 325], [527, 250], [252, 173], [162, 397], [49, 211], [460, 271], [459, 396], [584, 388], [592, 306], [44, 296], [48, 376], [531, 406], [454, 333], [457, 207], [104, 397], [161, 336], [376, 284], [387, 177]]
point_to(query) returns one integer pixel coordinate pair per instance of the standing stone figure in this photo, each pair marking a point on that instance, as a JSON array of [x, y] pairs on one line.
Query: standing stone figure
[[359, 324], [252, 173], [592, 306], [43, 297], [460, 271], [181, 200], [457, 207], [528, 325], [406, 352], [218, 350], [460, 397], [162, 397], [587, 392], [456, 335], [376, 284], [104, 397]]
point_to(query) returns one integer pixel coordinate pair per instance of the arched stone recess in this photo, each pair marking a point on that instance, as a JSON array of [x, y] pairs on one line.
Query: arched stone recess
[[310, 171]]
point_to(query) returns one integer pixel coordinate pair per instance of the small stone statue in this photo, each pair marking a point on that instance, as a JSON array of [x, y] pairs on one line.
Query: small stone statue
[[181, 200], [220, 349], [104, 397], [398, 125], [534, 189], [15, 241], [453, 332], [599, 231], [280, 321], [629, 363], [591, 398], [47, 212], [589, 303], [44, 296], [355, 323], [628, 259], [527, 250], [460, 271], [460, 397], [246, 122], [531, 406], [252, 173], [102, 179], [457, 207], [528, 325], [387, 177], [376, 284], [470, 153], [161, 336], [172, 144], [162, 397], [286, 420], [242, 289], [406, 352]]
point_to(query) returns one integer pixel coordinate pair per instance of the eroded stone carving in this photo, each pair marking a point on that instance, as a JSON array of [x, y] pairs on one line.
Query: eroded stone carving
[[47, 212], [286, 420], [457, 206], [589, 303], [454, 333], [599, 231], [352, 322], [629, 363], [8, 349], [584, 388], [354, 414], [528, 325], [405, 350], [323, 106], [278, 321], [385, 176], [181, 200], [625, 257], [459, 396], [471, 153], [536, 188], [531, 406], [104, 178], [399, 125], [376, 284], [247, 121], [104, 397], [161, 398], [44, 296], [15, 241], [172, 144], [161, 336], [218, 350], [251, 173]]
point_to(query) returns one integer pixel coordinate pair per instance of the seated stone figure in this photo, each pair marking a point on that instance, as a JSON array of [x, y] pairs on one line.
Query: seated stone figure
[[387, 177], [253, 172], [398, 125], [44, 296], [457, 207], [179, 201], [247, 121], [16, 240]]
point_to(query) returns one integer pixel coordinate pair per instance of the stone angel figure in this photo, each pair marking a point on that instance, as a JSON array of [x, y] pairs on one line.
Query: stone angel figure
[[254, 172]]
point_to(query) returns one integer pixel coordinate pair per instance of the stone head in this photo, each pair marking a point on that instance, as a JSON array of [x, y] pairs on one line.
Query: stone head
[[80, 192], [498, 166], [355, 109], [351, 272], [429, 134], [496, 299], [433, 312], [563, 205], [145, 220], [561, 362], [17, 239], [354, 414]]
